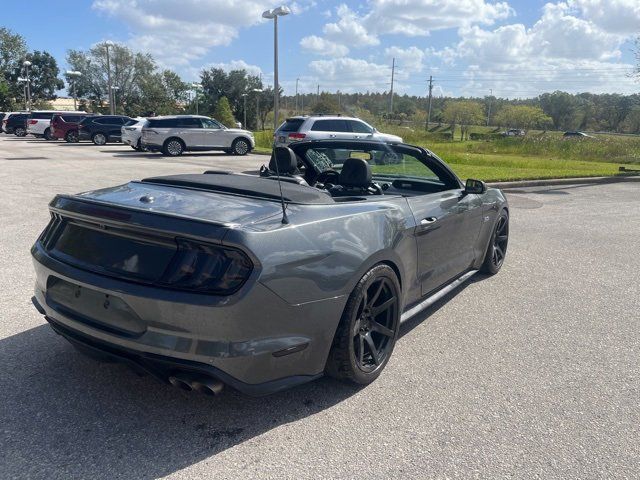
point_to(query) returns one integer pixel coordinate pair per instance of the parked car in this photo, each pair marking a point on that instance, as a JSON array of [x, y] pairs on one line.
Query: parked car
[[576, 135], [173, 135], [39, 123], [16, 123], [65, 125], [514, 132], [266, 281], [320, 127], [132, 133], [101, 129]]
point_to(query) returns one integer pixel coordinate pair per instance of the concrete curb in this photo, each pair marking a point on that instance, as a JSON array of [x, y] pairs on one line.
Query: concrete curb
[[565, 181]]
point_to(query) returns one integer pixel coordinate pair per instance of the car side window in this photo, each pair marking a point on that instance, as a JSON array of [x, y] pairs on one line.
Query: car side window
[[359, 127], [188, 123], [211, 124], [330, 125]]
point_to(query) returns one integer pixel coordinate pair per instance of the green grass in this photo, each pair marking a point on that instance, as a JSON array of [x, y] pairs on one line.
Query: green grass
[[539, 155]]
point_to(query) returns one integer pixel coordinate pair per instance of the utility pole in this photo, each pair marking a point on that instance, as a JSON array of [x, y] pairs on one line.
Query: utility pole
[[297, 80], [429, 107], [393, 71], [489, 108], [108, 44], [318, 94], [26, 65], [339, 100]]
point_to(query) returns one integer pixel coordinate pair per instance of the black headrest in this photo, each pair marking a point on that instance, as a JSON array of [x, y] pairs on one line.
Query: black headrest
[[355, 172], [287, 163]]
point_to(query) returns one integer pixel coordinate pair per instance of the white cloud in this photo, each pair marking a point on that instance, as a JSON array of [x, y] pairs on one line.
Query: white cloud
[[351, 75], [321, 46], [620, 17], [408, 59], [419, 17], [177, 33], [349, 30]]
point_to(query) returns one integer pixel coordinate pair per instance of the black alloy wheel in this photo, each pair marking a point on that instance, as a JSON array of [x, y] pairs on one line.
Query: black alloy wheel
[[497, 249], [368, 329], [20, 132]]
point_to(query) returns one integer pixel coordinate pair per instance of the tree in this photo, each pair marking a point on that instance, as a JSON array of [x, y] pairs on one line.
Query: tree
[[561, 107], [13, 50], [223, 113], [463, 113], [325, 104], [522, 116], [139, 86], [43, 76]]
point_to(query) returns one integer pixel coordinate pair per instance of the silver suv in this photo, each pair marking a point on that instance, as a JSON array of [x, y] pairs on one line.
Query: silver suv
[[173, 135], [327, 127]]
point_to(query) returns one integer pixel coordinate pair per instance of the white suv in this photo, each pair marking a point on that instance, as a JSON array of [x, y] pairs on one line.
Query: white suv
[[173, 135], [132, 133], [39, 123], [326, 127]]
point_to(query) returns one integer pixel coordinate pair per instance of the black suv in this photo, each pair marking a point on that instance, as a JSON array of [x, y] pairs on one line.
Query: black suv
[[15, 123], [102, 128]]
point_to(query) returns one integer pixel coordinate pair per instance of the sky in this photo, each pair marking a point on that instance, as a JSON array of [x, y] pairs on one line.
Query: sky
[[511, 48]]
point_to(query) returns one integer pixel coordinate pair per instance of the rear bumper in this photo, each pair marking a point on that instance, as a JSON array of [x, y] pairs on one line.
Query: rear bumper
[[162, 367], [257, 343]]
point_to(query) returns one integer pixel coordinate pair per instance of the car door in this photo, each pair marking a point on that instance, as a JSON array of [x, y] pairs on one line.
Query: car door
[[360, 129], [112, 127], [331, 128], [447, 227], [213, 134]]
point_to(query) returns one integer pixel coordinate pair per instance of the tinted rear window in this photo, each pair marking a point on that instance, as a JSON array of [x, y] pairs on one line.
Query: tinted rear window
[[41, 115], [291, 125], [73, 118], [330, 126], [163, 123]]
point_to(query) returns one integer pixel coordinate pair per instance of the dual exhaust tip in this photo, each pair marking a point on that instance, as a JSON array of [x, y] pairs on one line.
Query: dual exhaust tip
[[199, 383]]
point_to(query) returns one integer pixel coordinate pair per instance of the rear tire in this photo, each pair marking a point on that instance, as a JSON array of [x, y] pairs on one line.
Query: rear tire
[[240, 146], [368, 329], [47, 135], [173, 147], [497, 248], [72, 137], [20, 132], [99, 139]]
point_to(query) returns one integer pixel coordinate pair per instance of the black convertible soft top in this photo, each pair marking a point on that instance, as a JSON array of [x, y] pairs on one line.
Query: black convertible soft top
[[246, 185]]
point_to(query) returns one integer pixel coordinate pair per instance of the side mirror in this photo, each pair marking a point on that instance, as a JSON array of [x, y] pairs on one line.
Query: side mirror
[[474, 186]]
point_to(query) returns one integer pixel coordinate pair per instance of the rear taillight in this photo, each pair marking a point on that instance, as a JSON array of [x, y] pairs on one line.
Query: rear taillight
[[207, 269], [297, 136], [32, 122]]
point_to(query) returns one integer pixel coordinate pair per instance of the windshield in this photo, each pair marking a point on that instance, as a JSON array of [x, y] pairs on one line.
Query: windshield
[[384, 161]]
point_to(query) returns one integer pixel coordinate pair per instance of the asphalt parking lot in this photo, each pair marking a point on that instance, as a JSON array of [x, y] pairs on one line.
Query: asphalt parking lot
[[533, 373]]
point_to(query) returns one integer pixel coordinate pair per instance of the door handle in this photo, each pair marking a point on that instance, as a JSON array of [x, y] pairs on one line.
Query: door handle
[[428, 221]]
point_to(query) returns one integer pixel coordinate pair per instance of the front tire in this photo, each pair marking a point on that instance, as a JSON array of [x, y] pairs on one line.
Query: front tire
[[99, 139], [47, 135], [20, 132], [368, 329], [497, 248], [240, 146]]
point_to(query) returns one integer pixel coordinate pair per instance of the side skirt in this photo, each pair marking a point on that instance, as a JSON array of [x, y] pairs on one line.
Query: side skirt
[[436, 296]]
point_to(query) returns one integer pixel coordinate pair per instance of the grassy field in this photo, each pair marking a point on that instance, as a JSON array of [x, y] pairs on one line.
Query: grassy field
[[538, 155]]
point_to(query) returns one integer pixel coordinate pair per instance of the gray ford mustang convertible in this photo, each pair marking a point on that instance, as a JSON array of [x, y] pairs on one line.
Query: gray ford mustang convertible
[[262, 282]]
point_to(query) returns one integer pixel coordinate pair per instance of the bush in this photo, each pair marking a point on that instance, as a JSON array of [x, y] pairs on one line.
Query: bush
[[485, 136]]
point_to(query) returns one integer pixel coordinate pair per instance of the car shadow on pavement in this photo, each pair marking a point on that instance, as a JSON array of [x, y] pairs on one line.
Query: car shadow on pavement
[[66, 416]]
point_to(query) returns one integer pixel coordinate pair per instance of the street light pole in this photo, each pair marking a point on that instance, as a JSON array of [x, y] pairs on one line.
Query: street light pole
[[115, 105], [26, 65], [196, 87], [244, 111], [108, 44], [274, 14], [73, 75], [258, 91], [297, 80]]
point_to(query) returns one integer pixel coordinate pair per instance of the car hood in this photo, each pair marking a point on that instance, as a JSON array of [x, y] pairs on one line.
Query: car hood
[[389, 138], [213, 207], [239, 130]]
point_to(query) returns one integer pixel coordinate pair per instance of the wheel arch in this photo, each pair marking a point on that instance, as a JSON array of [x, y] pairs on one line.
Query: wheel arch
[[242, 137]]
